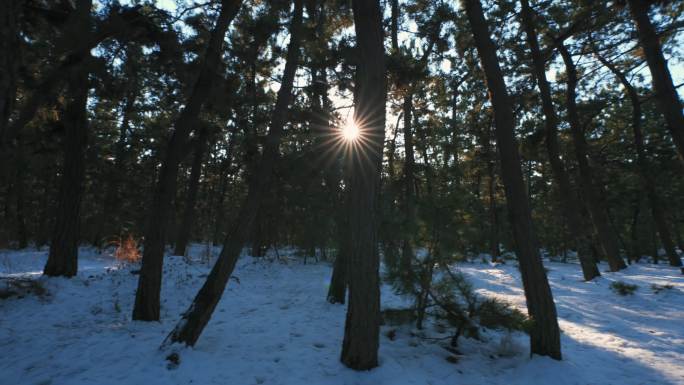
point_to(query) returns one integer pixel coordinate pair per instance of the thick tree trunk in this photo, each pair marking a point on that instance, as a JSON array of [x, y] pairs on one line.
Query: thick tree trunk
[[643, 165], [9, 61], [544, 334], [63, 254], [665, 92], [362, 325], [193, 321], [187, 221], [567, 195], [591, 191], [149, 285]]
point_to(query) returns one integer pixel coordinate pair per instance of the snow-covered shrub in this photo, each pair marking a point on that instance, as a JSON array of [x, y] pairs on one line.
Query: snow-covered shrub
[[496, 314], [623, 288]]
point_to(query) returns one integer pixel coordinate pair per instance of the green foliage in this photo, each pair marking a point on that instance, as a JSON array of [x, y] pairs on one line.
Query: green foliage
[[660, 288], [496, 314], [467, 312], [395, 317], [623, 288]]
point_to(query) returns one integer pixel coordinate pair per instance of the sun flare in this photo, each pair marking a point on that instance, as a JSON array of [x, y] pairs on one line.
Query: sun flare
[[351, 131]]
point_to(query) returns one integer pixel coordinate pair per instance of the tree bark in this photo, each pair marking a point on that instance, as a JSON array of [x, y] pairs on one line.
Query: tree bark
[[338, 280], [193, 321], [544, 334], [394, 25], [149, 285], [362, 326], [409, 226], [223, 184], [63, 254], [591, 191], [643, 164], [9, 60], [567, 195], [187, 221], [665, 92]]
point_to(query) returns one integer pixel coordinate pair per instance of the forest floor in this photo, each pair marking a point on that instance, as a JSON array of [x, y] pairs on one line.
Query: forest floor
[[274, 326]]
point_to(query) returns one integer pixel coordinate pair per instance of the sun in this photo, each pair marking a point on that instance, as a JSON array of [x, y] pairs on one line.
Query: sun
[[350, 132]]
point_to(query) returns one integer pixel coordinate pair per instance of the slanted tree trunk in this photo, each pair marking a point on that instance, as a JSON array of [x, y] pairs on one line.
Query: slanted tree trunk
[[193, 321], [362, 326], [665, 92], [63, 254], [591, 191], [187, 221], [567, 195], [544, 334], [643, 164], [149, 285]]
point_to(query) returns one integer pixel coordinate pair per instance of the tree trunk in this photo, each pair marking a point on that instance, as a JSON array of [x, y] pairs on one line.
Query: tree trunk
[[665, 92], [63, 254], [187, 222], [643, 164], [591, 193], [9, 61], [116, 176], [223, 184], [362, 326], [491, 192], [394, 25], [338, 280], [544, 334], [567, 195], [409, 227], [149, 285], [635, 246], [193, 321]]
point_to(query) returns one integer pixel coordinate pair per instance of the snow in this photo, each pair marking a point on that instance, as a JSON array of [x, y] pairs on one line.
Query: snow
[[275, 327]]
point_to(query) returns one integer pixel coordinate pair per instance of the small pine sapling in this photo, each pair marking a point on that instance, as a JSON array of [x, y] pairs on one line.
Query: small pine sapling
[[623, 288]]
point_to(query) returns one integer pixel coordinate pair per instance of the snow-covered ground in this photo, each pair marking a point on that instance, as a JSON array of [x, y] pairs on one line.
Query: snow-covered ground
[[275, 327]]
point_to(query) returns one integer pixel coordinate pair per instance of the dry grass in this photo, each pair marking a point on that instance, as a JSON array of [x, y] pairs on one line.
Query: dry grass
[[127, 250]]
